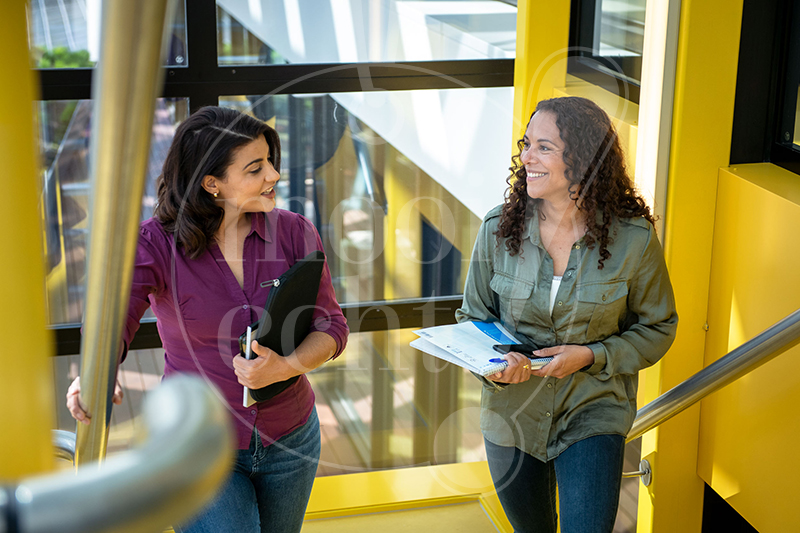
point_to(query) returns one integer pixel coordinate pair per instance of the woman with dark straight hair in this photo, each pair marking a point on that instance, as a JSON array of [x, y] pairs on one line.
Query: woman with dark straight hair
[[570, 263], [202, 264]]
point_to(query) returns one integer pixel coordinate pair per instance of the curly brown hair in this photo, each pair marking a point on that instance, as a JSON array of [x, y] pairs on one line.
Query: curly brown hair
[[599, 181]]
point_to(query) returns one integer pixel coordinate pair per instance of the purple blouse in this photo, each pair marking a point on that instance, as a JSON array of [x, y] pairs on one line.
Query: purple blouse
[[201, 311]]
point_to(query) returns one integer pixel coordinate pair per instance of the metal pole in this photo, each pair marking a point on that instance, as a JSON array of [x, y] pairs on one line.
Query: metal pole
[[126, 83], [760, 349]]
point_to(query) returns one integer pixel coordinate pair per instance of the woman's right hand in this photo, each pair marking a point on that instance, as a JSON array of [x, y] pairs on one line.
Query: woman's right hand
[[515, 372], [75, 405]]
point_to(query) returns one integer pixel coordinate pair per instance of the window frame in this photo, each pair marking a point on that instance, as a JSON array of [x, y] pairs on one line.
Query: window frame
[[595, 69]]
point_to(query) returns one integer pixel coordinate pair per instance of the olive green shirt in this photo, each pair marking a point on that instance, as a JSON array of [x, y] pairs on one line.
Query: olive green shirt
[[625, 313]]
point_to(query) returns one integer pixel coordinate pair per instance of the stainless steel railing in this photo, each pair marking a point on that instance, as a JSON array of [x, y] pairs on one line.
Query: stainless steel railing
[[186, 456], [125, 86], [64, 444], [762, 348]]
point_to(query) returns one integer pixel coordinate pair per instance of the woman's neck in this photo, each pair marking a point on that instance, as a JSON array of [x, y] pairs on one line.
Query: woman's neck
[[232, 227], [564, 214]]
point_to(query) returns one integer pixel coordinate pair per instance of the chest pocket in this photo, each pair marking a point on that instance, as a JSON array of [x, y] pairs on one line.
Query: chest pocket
[[605, 303], [513, 294]]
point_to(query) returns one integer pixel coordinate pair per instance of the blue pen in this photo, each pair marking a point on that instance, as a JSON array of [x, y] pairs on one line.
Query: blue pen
[[497, 360]]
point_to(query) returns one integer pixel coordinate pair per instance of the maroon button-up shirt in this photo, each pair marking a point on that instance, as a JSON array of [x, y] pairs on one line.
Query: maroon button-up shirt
[[201, 311]]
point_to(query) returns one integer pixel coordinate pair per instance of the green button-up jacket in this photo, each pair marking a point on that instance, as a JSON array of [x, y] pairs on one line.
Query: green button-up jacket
[[625, 313]]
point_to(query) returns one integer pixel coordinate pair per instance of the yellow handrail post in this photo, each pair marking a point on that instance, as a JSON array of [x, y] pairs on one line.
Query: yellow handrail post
[[541, 57], [26, 387]]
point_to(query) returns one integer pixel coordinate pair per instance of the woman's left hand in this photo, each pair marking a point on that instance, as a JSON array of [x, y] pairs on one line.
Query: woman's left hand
[[266, 369], [568, 359]]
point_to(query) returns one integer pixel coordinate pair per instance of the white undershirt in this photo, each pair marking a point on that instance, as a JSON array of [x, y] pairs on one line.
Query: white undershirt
[[553, 290]]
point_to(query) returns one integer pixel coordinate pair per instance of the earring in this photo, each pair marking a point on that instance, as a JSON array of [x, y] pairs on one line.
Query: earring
[[215, 194]]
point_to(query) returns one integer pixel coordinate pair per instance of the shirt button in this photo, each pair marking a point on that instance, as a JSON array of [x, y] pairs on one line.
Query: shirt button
[[549, 385], [560, 302], [245, 306], [604, 298], [568, 274], [577, 246], [547, 414], [252, 411]]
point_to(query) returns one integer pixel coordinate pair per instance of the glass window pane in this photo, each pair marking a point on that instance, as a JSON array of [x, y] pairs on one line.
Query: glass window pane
[[397, 183], [383, 404], [619, 35], [66, 34], [65, 127], [274, 31]]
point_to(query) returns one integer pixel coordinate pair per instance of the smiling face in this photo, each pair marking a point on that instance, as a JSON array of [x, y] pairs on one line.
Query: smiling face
[[248, 186], [542, 157]]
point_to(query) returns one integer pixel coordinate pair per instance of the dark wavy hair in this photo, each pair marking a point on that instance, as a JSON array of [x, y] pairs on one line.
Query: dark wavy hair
[[599, 181], [204, 144]]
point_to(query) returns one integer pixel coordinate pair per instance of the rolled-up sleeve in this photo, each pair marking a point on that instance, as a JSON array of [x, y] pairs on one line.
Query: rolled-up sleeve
[[652, 300], [328, 317]]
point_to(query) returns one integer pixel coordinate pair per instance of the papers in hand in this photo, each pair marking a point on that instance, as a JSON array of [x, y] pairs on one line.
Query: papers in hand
[[469, 345]]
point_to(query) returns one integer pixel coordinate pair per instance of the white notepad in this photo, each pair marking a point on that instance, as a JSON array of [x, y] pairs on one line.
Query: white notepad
[[470, 345]]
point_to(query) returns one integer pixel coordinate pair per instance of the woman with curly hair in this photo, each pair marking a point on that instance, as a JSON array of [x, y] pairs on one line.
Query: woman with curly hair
[[570, 263]]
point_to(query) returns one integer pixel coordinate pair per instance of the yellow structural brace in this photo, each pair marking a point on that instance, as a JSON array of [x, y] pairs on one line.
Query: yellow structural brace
[[26, 385], [541, 58], [705, 88]]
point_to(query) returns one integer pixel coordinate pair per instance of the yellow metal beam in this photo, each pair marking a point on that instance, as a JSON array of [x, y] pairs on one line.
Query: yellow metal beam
[[26, 387], [705, 85], [541, 58]]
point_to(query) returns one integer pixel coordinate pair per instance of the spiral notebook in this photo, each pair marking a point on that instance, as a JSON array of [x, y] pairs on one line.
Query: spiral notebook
[[470, 345]]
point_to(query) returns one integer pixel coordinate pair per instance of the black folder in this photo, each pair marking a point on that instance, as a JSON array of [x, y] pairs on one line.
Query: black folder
[[287, 316]]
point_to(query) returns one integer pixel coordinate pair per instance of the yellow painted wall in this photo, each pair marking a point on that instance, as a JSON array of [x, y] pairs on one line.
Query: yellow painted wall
[[749, 430]]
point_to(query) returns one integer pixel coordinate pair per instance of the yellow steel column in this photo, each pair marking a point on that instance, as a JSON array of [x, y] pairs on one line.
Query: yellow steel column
[[705, 85], [541, 58], [26, 384]]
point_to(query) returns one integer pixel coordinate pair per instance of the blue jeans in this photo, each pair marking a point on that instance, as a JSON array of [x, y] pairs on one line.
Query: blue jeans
[[588, 475], [269, 487]]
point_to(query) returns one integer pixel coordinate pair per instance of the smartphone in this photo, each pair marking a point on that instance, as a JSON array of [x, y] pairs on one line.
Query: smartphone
[[524, 349], [536, 363]]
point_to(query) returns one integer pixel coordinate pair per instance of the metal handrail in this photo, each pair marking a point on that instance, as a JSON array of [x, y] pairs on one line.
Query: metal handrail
[[64, 444], [186, 457], [762, 348]]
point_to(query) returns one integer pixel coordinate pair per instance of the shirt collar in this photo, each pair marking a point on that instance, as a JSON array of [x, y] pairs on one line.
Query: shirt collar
[[531, 230], [261, 223]]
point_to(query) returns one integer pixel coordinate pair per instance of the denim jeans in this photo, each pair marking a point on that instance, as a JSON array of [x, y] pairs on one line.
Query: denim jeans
[[269, 487], [588, 474]]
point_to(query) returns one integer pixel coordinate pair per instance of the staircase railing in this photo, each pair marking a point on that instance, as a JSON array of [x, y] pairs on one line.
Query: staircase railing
[[762, 348], [186, 455]]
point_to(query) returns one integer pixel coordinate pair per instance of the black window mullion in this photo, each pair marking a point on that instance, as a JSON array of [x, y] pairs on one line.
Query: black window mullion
[[201, 43], [362, 317]]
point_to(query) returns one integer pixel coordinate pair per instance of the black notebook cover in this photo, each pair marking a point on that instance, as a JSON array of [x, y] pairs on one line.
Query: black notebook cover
[[287, 316]]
